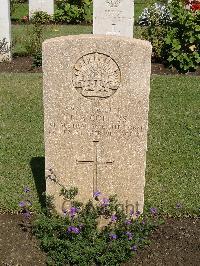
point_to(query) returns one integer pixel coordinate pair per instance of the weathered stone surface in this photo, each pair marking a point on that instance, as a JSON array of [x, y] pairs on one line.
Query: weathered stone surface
[[113, 17], [96, 100], [5, 31], [41, 5]]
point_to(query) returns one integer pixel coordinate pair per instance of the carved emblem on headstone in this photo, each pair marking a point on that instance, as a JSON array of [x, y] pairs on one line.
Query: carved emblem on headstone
[[113, 3], [96, 75]]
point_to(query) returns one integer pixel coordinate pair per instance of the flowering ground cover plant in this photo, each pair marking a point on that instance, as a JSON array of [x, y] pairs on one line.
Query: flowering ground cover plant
[[99, 232]]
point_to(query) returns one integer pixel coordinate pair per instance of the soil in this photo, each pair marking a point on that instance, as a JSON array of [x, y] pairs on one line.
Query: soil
[[25, 64], [176, 242]]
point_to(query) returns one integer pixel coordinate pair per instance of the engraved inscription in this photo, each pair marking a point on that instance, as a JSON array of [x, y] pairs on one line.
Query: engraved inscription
[[96, 75], [113, 3]]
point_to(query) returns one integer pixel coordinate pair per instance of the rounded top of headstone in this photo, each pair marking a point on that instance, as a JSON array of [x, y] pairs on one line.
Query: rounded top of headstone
[[75, 38]]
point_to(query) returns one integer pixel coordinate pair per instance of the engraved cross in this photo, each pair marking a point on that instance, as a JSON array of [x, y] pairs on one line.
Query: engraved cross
[[95, 163]]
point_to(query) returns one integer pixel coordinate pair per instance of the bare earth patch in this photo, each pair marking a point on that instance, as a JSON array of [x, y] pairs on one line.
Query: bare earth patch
[[177, 242], [24, 65]]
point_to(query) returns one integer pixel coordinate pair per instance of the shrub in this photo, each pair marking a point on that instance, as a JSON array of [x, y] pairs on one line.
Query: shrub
[[73, 11], [176, 42], [154, 20], [35, 36], [182, 42], [40, 17], [156, 15]]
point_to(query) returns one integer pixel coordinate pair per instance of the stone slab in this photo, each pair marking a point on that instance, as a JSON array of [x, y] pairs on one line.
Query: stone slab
[[96, 101], [113, 17], [5, 29], [41, 5]]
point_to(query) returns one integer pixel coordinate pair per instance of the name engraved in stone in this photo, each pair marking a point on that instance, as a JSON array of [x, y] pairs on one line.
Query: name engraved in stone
[[113, 3], [99, 126], [117, 14], [96, 75]]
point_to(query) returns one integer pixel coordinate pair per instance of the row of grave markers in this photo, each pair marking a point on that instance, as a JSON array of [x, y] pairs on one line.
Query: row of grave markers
[[111, 17]]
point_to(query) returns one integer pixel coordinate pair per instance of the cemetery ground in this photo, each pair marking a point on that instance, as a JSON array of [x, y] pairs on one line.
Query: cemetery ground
[[172, 176]]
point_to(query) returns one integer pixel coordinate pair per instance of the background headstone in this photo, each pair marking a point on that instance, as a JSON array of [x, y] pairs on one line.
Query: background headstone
[[96, 100], [113, 17], [5, 30], [41, 5]]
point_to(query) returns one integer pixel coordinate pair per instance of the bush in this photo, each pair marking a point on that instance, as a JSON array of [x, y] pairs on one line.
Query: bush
[[154, 19], [156, 15], [73, 11], [41, 17], [182, 42], [35, 36], [175, 41]]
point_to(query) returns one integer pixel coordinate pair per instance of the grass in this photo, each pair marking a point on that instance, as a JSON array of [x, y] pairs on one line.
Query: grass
[[21, 34], [172, 174]]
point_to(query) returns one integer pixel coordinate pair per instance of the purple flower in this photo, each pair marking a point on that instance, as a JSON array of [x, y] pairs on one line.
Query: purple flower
[[113, 236], [131, 212], [26, 214], [178, 206], [134, 248], [153, 211], [81, 226], [137, 214], [128, 222], [143, 222], [73, 229], [96, 194], [22, 204], [113, 218], [105, 202], [64, 212], [130, 235], [73, 212], [27, 190]]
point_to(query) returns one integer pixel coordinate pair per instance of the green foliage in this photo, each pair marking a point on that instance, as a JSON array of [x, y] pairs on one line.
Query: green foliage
[[77, 238], [182, 42], [37, 59], [35, 36], [70, 12], [156, 35], [40, 17], [178, 43]]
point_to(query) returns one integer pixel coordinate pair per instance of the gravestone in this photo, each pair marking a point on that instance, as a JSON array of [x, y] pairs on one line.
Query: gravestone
[[96, 98], [41, 5], [113, 17], [5, 31]]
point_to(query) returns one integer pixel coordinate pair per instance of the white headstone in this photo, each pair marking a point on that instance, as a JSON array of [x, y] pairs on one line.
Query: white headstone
[[96, 100], [41, 5], [5, 30], [113, 17]]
